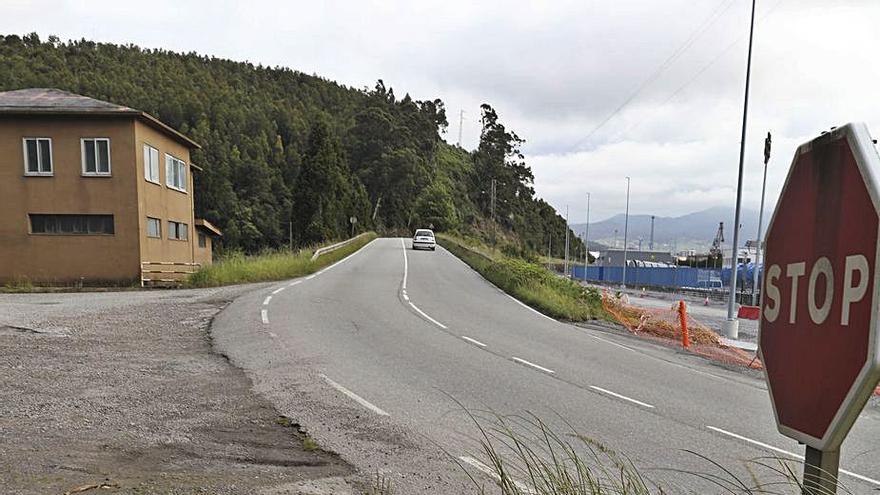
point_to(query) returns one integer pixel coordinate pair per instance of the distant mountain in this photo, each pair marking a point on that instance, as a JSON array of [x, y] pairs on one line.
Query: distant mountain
[[692, 231]]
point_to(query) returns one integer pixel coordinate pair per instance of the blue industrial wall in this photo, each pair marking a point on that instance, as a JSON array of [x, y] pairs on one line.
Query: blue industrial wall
[[664, 276]]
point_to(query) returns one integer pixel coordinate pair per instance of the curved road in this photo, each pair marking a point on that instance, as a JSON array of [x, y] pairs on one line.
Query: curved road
[[377, 354]]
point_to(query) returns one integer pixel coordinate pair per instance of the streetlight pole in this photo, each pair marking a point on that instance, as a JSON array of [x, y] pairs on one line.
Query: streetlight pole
[[565, 265], [731, 326], [625, 233], [760, 221], [587, 239]]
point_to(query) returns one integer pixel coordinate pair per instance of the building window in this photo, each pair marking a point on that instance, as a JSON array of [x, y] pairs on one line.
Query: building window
[[154, 228], [37, 156], [71, 224], [203, 240], [175, 173], [177, 230], [151, 164], [95, 156]]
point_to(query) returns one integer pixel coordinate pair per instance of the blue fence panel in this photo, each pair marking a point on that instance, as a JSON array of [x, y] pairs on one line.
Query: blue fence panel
[[655, 276]]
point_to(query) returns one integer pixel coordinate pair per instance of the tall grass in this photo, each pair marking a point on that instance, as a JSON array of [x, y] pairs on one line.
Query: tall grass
[[530, 283], [527, 456], [238, 268]]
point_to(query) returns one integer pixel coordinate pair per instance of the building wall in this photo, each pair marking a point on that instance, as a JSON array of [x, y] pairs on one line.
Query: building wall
[[68, 258], [204, 255], [162, 202]]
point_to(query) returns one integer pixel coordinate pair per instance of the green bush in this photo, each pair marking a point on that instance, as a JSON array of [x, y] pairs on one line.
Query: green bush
[[530, 283], [237, 268]]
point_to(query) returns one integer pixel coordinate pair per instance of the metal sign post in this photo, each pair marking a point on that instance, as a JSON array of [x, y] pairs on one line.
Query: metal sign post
[[820, 471]]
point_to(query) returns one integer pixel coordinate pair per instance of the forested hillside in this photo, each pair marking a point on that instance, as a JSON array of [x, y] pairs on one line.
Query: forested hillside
[[282, 148]]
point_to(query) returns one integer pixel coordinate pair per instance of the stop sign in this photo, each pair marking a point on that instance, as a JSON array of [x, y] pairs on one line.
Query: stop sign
[[818, 334]]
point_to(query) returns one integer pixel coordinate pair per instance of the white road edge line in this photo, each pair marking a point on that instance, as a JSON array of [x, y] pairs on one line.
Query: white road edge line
[[405, 262], [310, 277], [295, 282], [785, 452], [533, 365], [622, 397], [432, 320], [266, 301], [473, 341], [405, 297], [353, 396], [479, 466], [276, 291], [264, 314]]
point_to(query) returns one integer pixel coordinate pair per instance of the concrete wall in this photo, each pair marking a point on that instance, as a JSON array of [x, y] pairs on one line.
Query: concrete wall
[[66, 258]]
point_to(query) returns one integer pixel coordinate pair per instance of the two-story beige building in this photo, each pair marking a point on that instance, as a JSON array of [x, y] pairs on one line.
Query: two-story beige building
[[92, 192]]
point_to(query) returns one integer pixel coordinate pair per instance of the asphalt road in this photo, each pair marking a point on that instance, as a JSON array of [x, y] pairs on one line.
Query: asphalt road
[[377, 355]]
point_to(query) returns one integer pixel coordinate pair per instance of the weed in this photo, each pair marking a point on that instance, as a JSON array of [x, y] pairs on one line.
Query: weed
[[237, 268]]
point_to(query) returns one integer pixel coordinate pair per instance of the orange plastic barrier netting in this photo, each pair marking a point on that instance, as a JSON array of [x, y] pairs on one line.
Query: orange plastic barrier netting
[[666, 326]]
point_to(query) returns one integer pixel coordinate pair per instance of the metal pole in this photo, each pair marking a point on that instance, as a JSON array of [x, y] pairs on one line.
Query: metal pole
[[651, 242], [494, 227], [460, 123], [625, 232], [820, 471], [565, 265], [587, 239], [758, 237], [731, 327]]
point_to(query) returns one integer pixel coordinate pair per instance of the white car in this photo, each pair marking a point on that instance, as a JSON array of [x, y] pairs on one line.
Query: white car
[[424, 239]]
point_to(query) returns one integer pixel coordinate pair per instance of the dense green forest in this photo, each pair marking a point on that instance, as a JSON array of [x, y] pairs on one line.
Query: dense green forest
[[287, 154]]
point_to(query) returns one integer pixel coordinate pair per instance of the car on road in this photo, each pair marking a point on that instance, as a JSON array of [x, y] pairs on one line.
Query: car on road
[[424, 239]]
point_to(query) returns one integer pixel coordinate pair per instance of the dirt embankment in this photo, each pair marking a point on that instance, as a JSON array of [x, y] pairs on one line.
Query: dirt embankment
[[124, 390]]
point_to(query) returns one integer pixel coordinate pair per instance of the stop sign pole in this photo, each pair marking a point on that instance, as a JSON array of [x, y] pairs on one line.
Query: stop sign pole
[[818, 335]]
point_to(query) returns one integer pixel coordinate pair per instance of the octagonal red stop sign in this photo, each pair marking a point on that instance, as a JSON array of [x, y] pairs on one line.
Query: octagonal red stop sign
[[818, 337]]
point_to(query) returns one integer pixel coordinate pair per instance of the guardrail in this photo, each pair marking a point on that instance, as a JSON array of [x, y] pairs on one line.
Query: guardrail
[[334, 247], [166, 272]]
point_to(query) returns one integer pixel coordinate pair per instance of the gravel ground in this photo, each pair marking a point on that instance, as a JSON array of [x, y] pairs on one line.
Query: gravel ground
[[124, 389]]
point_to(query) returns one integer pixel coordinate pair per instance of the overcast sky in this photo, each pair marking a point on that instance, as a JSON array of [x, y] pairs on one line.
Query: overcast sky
[[554, 71]]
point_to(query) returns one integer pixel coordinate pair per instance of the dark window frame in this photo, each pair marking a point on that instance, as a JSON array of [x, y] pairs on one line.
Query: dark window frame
[[65, 224]]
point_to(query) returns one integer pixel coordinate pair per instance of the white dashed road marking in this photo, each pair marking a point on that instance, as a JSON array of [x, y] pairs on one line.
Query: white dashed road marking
[[353, 396], [479, 466], [473, 341], [432, 320], [785, 452], [622, 397], [266, 301], [533, 365], [276, 291], [264, 314]]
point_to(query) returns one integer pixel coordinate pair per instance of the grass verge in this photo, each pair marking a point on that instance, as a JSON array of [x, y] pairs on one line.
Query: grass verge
[[238, 268], [530, 283], [527, 456]]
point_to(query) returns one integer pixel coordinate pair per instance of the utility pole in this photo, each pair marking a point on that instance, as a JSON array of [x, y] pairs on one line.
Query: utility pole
[[731, 326], [565, 265], [494, 227], [460, 124], [290, 234], [550, 251], [587, 239], [625, 232], [651, 242], [767, 142]]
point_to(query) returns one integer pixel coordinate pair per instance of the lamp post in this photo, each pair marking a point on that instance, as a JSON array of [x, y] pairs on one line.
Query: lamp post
[[625, 232], [587, 239], [731, 326], [767, 142]]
